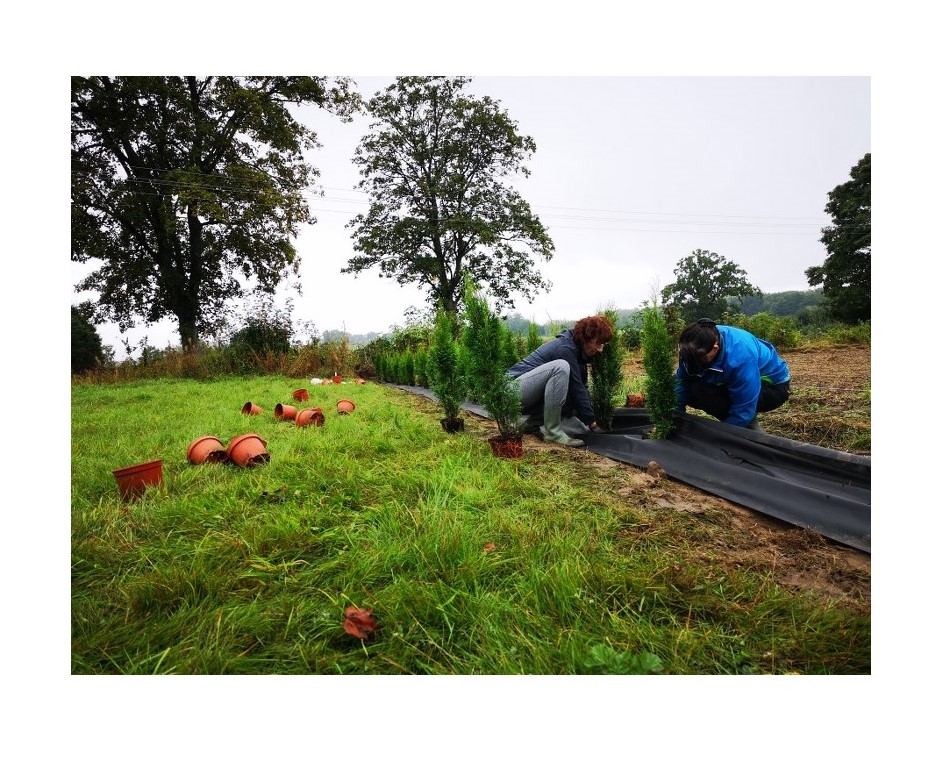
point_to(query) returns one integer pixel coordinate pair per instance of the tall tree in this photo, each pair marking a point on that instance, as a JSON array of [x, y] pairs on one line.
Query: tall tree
[[434, 165], [845, 274], [181, 185], [704, 283]]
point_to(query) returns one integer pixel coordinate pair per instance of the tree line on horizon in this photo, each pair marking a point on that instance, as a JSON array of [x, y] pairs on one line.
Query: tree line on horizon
[[187, 193]]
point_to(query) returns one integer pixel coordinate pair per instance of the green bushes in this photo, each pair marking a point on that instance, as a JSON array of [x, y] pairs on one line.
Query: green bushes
[[659, 356], [607, 374], [86, 348], [486, 348], [783, 332], [444, 367]]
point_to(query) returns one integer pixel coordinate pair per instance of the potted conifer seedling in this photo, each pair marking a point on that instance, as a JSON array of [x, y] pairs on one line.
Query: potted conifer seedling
[[503, 403], [659, 354], [483, 342], [443, 366], [607, 374]]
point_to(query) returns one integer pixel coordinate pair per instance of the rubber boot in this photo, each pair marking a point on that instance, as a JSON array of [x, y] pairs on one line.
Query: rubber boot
[[552, 431]]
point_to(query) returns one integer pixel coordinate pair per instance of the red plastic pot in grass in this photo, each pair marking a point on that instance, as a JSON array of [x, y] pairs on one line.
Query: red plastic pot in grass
[[310, 416], [301, 395], [251, 409], [345, 406], [285, 412], [207, 449], [248, 450], [132, 480]]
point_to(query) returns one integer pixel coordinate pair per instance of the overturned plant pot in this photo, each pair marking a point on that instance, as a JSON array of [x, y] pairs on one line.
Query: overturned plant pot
[[301, 395], [345, 406], [132, 480], [507, 446], [251, 409], [310, 416], [453, 425], [248, 450], [284, 412], [206, 449]]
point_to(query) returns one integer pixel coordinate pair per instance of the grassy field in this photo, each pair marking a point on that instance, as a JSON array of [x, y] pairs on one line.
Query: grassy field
[[471, 564]]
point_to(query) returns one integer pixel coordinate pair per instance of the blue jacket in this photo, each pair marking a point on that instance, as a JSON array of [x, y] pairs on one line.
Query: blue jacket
[[563, 347], [742, 364]]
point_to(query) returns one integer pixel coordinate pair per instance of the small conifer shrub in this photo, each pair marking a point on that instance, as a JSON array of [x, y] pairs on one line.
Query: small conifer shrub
[[659, 358], [444, 367], [607, 374]]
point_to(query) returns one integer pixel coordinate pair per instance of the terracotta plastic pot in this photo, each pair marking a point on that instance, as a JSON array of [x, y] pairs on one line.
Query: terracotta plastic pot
[[285, 412], [345, 406], [310, 416], [507, 447], [635, 400], [251, 409], [360, 380], [248, 450], [206, 449], [337, 378], [132, 480], [301, 395]]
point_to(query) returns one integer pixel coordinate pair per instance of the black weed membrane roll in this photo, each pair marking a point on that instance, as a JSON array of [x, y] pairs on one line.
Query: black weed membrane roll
[[825, 490]]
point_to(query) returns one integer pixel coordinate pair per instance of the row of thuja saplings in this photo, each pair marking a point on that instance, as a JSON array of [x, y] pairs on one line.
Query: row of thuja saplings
[[246, 450]]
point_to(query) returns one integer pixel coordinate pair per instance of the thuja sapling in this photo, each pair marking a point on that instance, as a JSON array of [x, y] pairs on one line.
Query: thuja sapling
[[659, 362], [445, 372], [607, 374], [484, 342]]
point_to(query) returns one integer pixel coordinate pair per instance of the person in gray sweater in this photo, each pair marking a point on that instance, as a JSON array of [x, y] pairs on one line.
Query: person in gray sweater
[[554, 376]]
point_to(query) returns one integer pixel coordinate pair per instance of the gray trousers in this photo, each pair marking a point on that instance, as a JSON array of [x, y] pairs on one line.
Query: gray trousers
[[544, 387]]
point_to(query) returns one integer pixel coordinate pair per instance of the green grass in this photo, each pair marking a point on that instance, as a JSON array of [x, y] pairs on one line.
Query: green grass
[[223, 570]]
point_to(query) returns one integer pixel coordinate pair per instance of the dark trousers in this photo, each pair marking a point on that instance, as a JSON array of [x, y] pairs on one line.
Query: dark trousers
[[715, 401]]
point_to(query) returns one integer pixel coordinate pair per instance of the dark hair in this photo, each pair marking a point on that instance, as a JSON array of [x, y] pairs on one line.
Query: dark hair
[[596, 328], [695, 342]]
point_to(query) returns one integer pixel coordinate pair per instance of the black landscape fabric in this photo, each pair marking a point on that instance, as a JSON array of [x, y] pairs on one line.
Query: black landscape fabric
[[804, 485]]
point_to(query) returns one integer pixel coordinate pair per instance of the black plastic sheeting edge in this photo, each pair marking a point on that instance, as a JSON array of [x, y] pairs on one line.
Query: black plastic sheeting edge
[[825, 490]]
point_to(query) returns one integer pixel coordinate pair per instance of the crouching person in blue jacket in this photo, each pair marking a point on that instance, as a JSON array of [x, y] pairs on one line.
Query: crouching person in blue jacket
[[729, 373]]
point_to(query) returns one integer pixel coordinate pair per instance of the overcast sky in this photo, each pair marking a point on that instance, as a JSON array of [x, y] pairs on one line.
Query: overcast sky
[[631, 175]]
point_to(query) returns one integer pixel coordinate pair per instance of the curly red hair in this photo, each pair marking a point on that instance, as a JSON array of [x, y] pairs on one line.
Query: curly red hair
[[596, 328]]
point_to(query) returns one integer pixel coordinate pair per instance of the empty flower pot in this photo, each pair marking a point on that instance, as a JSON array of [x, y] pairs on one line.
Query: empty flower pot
[[635, 400], [345, 406], [251, 409], [337, 378], [360, 380], [248, 450], [132, 480], [206, 449], [301, 395], [310, 416], [285, 412]]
